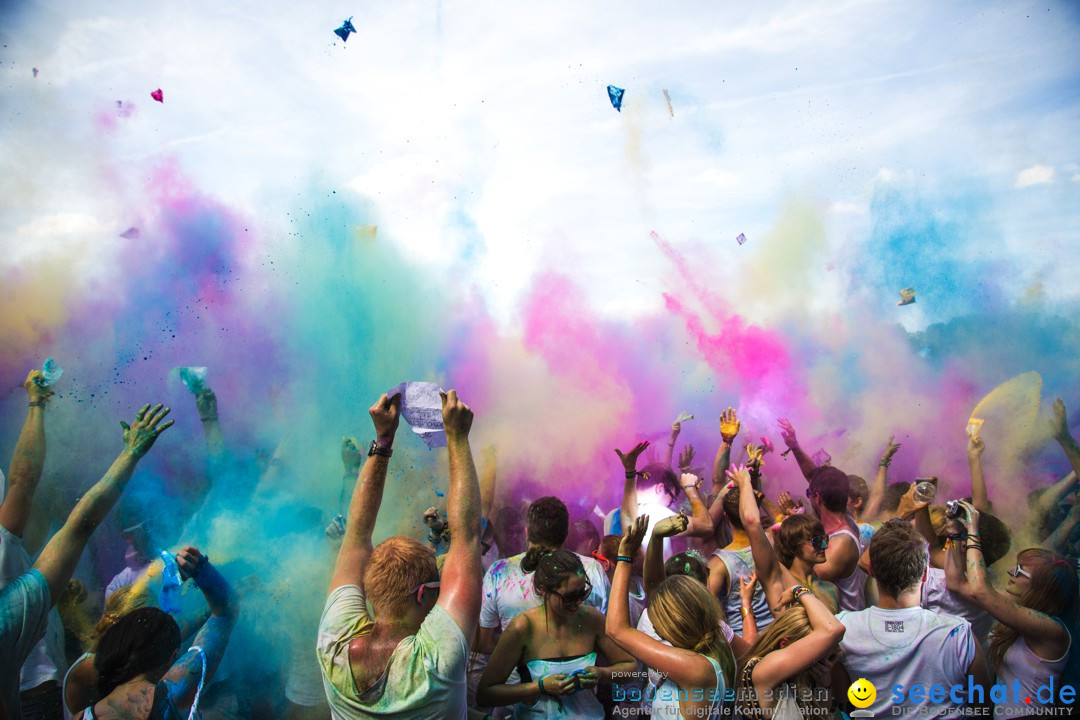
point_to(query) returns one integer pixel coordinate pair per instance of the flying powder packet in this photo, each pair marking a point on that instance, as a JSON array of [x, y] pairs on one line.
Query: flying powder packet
[[615, 94], [741, 239], [821, 457], [683, 417], [973, 427], [158, 95], [421, 406], [50, 373], [194, 379], [132, 233], [345, 29], [907, 297]]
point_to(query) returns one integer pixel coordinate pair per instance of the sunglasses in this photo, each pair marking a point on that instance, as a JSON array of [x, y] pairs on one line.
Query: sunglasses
[[1018, 571], [419, 590], [819, 542], [576, 598], [604, 562]]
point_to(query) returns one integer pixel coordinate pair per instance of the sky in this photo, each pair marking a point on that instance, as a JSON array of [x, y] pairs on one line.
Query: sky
[[450, 195]]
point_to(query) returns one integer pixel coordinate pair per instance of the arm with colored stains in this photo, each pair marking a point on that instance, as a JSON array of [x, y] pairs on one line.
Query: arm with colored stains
[[980, 498], [1041, 632], [61, 554], [774, 578], [462, 573], [700, 524], [28, 460], [356, 547], [787, 432], [628, 509], [186, 673], [206, 403], [872, 511]]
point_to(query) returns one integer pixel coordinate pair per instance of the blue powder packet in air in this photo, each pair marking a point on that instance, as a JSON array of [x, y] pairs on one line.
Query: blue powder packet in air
[[170, 585], [615, 93], [345, 29], [194, 379], [50, 373]]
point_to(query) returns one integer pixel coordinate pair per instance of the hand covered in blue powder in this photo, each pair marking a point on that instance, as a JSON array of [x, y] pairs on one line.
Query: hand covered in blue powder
[[140, 436]]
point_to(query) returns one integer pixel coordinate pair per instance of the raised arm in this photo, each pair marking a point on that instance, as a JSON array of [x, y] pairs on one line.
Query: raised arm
[[462, 573], [979, 497], [1042, 633], [877, 489], [729, 430], [61, 554], [684, 667], [787, 432], [770, 573], [653, 574], [1057, 540], [669, 452], [701, 524], [206, 403], [786, 662], [628, 509], [367, 497], [1060, 427], [27, 461], [184, 676]]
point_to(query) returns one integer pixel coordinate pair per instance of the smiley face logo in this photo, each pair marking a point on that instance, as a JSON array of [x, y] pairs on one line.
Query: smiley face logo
[[862, 693]]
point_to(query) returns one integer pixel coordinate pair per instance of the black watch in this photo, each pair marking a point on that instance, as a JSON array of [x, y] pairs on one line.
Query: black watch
[[376, 450]]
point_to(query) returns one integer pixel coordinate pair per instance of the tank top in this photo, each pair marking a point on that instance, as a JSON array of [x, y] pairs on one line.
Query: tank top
[[851, 591], [740, 565], [581, 704], [665, 705], [1033, 672]]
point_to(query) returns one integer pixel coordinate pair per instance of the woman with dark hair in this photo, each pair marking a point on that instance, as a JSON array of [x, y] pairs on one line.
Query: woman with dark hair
[[1032, 641], [554, 647], [123, 680]]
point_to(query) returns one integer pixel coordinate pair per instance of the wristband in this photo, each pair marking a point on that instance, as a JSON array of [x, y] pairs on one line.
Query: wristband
[[37, 403], [885, 463], [957, 536], [624, 558], [744, 610], [540, 682], [631, 474], [381, 451], [209, 418]]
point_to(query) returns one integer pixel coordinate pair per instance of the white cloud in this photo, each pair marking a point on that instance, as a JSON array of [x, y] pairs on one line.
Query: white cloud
[[1035, 175]]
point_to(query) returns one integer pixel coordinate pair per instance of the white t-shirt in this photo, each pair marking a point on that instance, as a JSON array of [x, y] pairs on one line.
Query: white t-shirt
[[508, 591], [424, 678], [936, 597], [1033, 672], [907, 647]]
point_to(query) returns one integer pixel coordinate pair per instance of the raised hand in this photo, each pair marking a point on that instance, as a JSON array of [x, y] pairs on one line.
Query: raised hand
[[685, 458], [351, 457], [909, 505], [739, 474], [787, 505], [140, 436], [671, 526], [36, 393], [191, 562], [1059, 424], [630, 457], [385, 415], [746, 589], [975, 447], [336, 528], [787, 432], [890, 450], [755, 457], [206, 404], [457, 416], [631, 539], [729, 426], [971, 517]]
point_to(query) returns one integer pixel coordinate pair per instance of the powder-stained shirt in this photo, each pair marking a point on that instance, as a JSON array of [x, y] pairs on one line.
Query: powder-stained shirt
[[508, 591], [424, 678], [907, 647], [24, 612]]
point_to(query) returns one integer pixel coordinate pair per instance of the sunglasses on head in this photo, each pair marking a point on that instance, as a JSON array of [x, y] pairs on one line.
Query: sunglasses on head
[[1018, 571], [419, 590], [575, 598], [819, 542]]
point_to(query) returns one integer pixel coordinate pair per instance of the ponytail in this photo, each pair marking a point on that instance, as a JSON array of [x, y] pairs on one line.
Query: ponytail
[[532, 558]]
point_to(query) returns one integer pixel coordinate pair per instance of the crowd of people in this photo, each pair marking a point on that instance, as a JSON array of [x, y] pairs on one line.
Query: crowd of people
[[690, 602]]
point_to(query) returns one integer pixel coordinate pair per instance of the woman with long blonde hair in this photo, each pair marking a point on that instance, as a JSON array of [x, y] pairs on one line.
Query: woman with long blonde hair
[[790, 659], [1037, 610], [699, 664]]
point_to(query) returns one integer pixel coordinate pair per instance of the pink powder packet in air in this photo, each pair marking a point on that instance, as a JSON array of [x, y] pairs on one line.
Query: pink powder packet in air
[[158, 95], [821, 457]]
